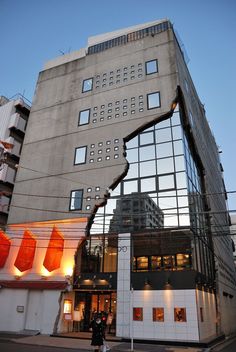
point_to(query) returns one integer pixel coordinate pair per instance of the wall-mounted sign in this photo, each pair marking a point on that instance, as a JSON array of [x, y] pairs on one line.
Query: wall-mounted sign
[[20, 309], [67, 309]]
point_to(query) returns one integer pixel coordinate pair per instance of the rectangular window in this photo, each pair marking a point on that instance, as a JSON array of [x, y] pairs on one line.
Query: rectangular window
[[76, 199], [142, 263], [138, 314], [153, 100], [87, 85], [201, 314], [180, 315], [151, 67], [84, 117], [80, 155], [158, 314]]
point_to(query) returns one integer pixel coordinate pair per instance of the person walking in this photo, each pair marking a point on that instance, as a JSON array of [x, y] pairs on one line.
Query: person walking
[[98, 333]]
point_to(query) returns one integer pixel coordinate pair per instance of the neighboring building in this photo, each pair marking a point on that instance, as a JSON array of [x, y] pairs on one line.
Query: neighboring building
[[118, 121], [233, 234], [14, 115]]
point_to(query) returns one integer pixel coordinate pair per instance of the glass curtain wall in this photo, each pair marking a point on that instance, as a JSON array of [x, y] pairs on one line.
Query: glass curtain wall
[[162, 190]]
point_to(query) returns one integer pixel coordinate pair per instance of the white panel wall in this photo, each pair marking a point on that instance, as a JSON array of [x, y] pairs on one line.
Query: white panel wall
[[206, 301], [123, 287], [40, 310], [5, 114]]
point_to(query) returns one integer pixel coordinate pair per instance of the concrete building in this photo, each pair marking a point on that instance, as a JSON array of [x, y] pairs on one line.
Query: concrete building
[[14, 115], [119, 120], [233, 234]]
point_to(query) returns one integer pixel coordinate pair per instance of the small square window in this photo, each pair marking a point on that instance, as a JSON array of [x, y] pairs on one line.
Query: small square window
[[141, 109], [102, 106], [108, 157], [99, 151], [108, 150], [118, 70], [125, 68], [158, 314], [132, 105], [95, 108], [76, 199], [132, 111], [97, 197], [88, 199], [104, 85], [140, 75], [118, 81], [116, 140], [91, 160], [138, 314], [117, 102], [87, 85], [133, 99], [92, 152], [109, 111], [132, 77], [104, 74], [153, 100], [132, 66], [111, 73], [141, 103], [117, 76], [116, 156], [88, 207], [131, 72], [98, 76], [102, 112], [104, 79], [125, 113], [151, 67], [94, 114], [84, 117], [180, 315], [111, 83], [89, 189], [109, 104], [125, 79], [117, 108], [124, 100], [108, 142], [102, 119], [140, 70], [80, 155], [116, 147], [100, 144], [109, 117], [97, 87], [97, 188], [94, 120], [99, 159], [139, 65], [92, 146], [140, 97], [125, 74], [117, 115]]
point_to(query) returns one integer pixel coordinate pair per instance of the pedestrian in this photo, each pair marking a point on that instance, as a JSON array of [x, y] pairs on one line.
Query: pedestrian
[[98, 333]]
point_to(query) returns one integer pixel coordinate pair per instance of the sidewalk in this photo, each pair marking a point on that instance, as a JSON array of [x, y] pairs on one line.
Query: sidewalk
[[84, 345]]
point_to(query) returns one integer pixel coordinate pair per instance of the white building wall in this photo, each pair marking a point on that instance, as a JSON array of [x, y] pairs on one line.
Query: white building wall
[[39, 309], [5, 113], [206, 301]]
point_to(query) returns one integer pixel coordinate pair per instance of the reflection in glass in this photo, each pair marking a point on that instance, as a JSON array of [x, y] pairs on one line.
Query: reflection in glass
[[181, 180], [179, 163], [164, 150], [133, 171], [165, 166], [132, 155], [146, 138], [177, 132], [147, 168], [147, 153], [167, 200], [178, 147], [162, 124], [130, 186], [151, 67], [163, 135], [148, 184], [175, 119], [133, 143], [84, 117], [166, 182]]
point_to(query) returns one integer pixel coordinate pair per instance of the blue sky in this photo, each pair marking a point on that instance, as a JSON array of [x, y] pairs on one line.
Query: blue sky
[[35, 31]]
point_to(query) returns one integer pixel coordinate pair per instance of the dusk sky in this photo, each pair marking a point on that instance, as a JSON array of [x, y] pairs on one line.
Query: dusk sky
[[33, 32]]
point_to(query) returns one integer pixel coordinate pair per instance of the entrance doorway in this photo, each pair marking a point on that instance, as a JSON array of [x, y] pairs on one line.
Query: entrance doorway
[[88, 304]]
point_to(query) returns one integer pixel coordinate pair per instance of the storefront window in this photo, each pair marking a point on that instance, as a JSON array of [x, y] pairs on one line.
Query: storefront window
[[142, 263]]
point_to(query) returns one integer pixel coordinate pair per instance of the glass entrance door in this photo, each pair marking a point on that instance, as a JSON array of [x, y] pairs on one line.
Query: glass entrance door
[[88, 304]]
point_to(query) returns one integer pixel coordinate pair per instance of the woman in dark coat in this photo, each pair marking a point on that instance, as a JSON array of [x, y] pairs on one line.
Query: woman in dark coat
[[98, 333]]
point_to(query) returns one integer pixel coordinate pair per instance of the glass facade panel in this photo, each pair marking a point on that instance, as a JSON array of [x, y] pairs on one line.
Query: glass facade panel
[[147, 168], [84, 117], [146, 138], [130, 186], [148, 184], [76, 199], [147, 153], [166, 182], [165, 166], [132, 155], [163, 135], [164, 150]]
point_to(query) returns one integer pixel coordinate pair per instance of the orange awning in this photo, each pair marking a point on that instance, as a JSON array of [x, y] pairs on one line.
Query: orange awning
[[5, 245], [25, 256], [52, 260]]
